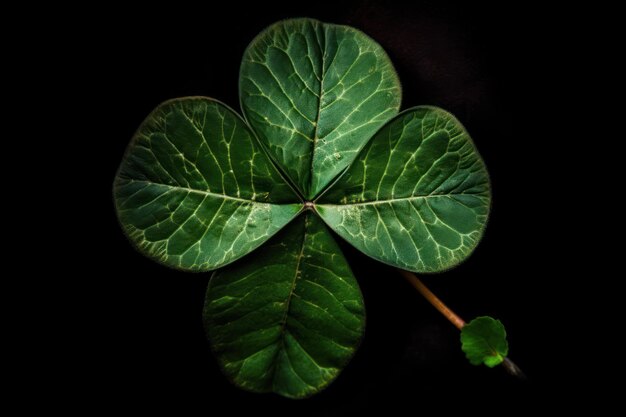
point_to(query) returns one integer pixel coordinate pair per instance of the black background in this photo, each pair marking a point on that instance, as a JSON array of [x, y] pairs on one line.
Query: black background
[[494, 67]]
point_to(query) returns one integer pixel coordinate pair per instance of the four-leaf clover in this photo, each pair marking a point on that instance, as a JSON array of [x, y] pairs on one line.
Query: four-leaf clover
[[321, 146]]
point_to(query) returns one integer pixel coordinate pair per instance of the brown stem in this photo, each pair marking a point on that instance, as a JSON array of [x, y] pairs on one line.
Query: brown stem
[[433, 299]]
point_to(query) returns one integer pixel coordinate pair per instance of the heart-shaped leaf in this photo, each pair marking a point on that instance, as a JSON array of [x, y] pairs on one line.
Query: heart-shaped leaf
[[484, 341], [315, 93], [195, 190], [288, 318], [417, 196]]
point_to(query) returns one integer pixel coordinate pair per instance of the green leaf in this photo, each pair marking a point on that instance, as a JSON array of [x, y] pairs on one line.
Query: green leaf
[[417, 197], [484, 341], [315, 93], [195, 190], [290, 317]]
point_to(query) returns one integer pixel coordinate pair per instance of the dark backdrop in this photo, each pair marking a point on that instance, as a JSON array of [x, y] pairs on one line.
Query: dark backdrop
[[140, 324]]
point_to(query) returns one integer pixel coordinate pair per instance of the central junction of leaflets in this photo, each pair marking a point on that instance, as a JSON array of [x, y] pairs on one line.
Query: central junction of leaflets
[[322, 145]]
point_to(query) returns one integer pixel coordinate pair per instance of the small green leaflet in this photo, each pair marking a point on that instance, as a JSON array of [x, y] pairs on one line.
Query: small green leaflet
[[484, 341], [289, 318], [322, 146]]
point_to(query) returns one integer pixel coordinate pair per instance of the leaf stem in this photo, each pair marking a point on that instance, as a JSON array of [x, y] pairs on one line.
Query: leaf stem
[[433, 299], [513, 369]]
